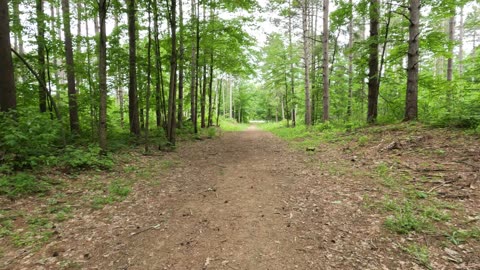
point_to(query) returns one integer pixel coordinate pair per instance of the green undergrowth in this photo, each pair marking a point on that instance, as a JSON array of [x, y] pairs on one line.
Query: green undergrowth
[[227, 124]]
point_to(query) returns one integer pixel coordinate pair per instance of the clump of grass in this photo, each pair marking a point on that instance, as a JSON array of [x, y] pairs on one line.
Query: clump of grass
[[363, 140], [420, 253], [118, 190], [211, 132], [459, 236], [404, 219]]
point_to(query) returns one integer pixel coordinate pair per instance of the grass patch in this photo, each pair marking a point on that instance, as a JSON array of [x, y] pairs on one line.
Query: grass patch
[[116, 191], [460, 236], [420, 254], [22, 184], [232, 125]]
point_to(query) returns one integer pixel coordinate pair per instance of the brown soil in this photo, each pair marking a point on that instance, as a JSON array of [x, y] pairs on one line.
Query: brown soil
[[246, 200]]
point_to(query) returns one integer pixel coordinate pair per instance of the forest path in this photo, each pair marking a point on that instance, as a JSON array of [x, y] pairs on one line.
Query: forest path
[[244, 200]]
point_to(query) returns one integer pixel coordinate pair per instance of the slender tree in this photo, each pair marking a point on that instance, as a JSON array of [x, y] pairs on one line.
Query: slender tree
[[149, 76], [102, 74], [451, 37], [373, 62], [41, 53], [72, 92], [411, 101], [8, 99], [181, 67], [171, 126], [133, 114], [306, 59], [326, 84], [350, 60], [193, 72]]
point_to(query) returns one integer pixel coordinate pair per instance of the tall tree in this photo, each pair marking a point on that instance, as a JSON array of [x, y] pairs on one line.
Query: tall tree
[[373, 90], [350, 60], [102, 74], [149, 76], [451, 38], [306, 59], [41, 53], [326, 98], [133, 113], [72, 92], [411, 101], [8, 100], [292, 70], [181, 68], [171, 126]]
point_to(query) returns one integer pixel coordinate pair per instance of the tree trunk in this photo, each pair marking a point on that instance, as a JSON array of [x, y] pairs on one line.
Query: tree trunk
[[72, 92], [210, 95], [133, 113], [306, 58], [219, 100], [42, 97], [203, 98], [451, 37], [326, 91], [350, 61], [292, 70], [102, 74], [193, 69], [373, 62], [181, 67], [8, 100], [460, 41], [411, 101], [79, 26], [159, 89], [171, 126], [149, 77]]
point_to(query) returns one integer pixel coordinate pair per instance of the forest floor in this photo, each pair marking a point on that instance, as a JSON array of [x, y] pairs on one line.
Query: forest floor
[[385, 198]]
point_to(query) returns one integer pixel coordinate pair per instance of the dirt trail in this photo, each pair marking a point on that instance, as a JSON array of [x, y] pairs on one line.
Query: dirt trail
[[244, 200]]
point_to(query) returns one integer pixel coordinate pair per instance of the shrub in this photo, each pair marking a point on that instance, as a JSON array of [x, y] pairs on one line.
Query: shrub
[[85, 158], [27, 140]]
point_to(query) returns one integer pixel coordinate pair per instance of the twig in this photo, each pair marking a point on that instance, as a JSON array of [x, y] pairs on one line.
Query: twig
[[157, 226], [439, 186]]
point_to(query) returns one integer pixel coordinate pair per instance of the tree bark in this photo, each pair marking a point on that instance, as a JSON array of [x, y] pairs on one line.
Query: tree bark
[[171, 127], [326, 91], [42, 98], [373, 62], [210, 95], [350, 61], [102, 74], [181, 67], [451, 38], [159, 90], [306, 59], [292, 70], [149, 77], [8, 100], [411, 101], [72, 92], [132, 86], [460, 40]]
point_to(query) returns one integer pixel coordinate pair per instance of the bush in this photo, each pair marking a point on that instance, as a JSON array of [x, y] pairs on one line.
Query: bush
[[27, 140], [85, 158]]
